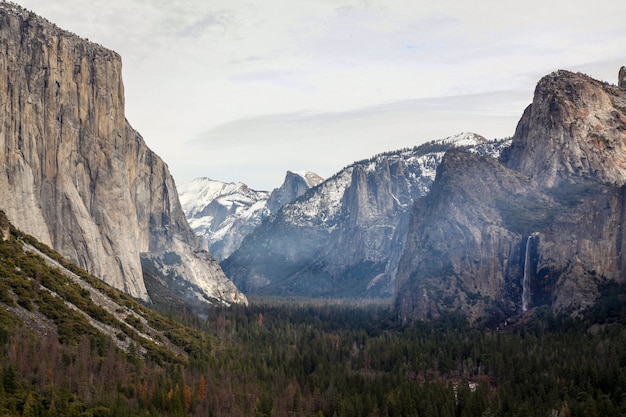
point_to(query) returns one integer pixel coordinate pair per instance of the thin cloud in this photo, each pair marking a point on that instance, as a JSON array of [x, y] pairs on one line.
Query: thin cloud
[[292, 82]]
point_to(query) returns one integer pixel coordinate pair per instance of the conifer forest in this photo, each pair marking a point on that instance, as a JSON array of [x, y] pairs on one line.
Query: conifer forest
[[308, 358]]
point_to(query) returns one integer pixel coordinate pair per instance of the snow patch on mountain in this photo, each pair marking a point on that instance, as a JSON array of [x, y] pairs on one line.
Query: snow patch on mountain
[[224, 213], [344, 237], [464, 139], [220, 213], [322, 205]]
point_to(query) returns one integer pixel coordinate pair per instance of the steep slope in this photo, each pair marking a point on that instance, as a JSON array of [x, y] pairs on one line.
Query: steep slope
[[65, 331], [78, 177], [223, 214], [544, 227], [294, 185], [344, 237], [574, 127], [53, 297], [465, 246]]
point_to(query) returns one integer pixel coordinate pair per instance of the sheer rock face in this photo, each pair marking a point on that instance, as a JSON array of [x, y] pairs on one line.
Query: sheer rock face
[[294, 186], [553, 209], [621, 83], [344, 237], [576, 126], [74, 172]]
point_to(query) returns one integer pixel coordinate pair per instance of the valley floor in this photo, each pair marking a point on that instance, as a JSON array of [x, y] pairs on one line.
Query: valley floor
[[331, 360]]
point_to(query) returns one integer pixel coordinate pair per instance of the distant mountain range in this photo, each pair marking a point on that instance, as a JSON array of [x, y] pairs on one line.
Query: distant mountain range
[[224, 213], [489, 229], [341, 238]]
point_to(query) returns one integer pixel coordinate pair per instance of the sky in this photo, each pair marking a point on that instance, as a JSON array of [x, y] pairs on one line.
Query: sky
[[244, 90]]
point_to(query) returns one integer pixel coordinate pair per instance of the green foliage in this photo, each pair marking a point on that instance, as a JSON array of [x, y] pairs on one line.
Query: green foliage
[[611, 305], [278, 358], [330, 359]]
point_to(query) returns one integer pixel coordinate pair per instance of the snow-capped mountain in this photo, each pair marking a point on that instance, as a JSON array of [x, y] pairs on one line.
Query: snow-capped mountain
[[224, 213], [344, 237]]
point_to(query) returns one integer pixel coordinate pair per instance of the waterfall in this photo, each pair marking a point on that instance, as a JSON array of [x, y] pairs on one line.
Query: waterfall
[[526, 296]]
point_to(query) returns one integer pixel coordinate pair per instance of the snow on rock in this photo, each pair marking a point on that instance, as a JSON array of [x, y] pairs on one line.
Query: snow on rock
[[224, 213], [344, 236], [221, 213]]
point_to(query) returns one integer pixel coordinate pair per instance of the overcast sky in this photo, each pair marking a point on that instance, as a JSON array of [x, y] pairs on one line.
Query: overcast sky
[[245, 90]]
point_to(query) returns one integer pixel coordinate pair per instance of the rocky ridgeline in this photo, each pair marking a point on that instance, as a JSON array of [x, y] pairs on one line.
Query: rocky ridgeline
[[344, 237], [542, 227], [78, 177], [223, 214]]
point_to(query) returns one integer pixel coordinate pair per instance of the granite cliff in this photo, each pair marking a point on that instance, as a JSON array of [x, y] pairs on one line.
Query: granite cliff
[[79, 178], [294, 186], [541, 227], [344, 237], [574, 128]]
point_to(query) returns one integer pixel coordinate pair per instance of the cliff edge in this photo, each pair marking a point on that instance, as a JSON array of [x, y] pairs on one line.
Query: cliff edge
[[78, 177], [543, 227]]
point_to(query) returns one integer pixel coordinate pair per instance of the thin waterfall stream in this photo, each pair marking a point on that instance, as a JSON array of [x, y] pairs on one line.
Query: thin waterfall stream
[[526, 295]]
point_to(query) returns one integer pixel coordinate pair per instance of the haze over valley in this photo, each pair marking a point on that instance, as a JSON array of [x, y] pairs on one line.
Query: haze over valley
[[451, 275]]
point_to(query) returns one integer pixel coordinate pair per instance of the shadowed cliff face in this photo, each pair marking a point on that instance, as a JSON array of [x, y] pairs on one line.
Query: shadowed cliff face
[[75, 174], [344, 237], [552, 210]]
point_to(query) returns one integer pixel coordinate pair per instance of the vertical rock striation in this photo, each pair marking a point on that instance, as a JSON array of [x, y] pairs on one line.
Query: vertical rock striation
[[76, 175], [561, 182], [463, 250], [574, 128], [343, 238]]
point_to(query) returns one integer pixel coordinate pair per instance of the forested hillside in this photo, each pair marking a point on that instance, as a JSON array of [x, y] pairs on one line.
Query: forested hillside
[[72, 346], [291, 359]]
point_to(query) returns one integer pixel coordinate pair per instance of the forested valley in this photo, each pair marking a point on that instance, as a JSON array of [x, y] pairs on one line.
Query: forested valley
[[326, 358], [319, 358]]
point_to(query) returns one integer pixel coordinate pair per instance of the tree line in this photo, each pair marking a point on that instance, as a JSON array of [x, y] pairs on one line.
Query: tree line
[[301, 358]]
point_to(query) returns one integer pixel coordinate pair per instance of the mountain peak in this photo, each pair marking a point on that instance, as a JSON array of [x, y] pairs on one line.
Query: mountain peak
[[311, 178], [223, 213], [80, 179], [296, 183], [541, 227], [574, 127], [464, 139]]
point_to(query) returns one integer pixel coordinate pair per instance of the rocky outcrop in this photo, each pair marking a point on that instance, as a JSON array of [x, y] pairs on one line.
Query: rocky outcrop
[[294, 185], [574, 128], [544, 227], [344, 237], [76, 175], [5, 227], [223, 214], [621, 80]]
